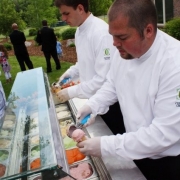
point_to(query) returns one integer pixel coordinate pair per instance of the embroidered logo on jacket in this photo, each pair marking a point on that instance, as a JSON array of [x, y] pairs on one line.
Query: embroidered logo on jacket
[[178, 98], [107, 54]]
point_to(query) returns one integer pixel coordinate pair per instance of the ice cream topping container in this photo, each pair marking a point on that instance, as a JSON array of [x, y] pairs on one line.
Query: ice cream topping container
[[36, 163], [34, 140], [74, 155], [6, 132], [8, 124], [64, 114], [35, 151], [83, 170], [4, 143], [61, 107], [4, 154], [2, 170]]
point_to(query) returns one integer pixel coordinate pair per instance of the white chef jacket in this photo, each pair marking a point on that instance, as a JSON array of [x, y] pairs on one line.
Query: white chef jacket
[[94, 46], [148, 90]]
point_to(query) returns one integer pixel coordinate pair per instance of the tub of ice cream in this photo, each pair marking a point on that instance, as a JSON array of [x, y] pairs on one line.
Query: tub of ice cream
[[35, 151], [61, 107], [6, 132], [34, 140], [63, 124], [83, 170], [5, 143], [2, 170], [35, 163], [10, 117], [4, 154], [8, 124], [66, 122], [64, 115]]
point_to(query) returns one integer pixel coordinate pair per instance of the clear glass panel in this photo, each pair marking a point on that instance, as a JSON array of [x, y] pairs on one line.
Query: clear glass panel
[[26, 142]]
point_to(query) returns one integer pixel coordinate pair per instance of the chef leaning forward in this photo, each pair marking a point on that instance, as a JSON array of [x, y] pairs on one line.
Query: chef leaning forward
[[145, 78], [94, 47]]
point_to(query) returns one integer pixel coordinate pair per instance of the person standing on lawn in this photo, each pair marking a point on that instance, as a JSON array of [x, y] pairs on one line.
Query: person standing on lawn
[[18, 40], [47, 39], [59, 49], [4, 63], [94, 47]]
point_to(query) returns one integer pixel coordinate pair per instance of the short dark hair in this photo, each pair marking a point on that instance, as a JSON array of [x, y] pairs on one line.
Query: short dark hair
[[139, 12], [73, 3], [44, 22]]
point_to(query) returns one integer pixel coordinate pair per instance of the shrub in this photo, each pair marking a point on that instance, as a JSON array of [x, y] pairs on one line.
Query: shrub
[[68, 33], [72, 45], [8, 46], [172, 28], [58, 34], [32, 32]]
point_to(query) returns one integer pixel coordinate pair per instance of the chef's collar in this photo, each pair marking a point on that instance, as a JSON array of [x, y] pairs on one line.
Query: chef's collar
[[86, 23]]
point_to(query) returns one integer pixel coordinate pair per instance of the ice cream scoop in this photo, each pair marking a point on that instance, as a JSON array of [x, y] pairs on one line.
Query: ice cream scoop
[[73, 127], [78, 135]]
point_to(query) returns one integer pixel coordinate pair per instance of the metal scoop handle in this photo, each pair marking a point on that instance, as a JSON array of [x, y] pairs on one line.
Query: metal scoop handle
[[83, 121], [65, 80]]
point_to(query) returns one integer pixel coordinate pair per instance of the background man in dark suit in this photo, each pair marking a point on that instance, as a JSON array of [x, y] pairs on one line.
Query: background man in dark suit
[[18, 40], [47, 39]]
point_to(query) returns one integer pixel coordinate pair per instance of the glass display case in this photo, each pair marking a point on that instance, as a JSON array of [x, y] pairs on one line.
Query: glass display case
[[33, 140], [30, 143]]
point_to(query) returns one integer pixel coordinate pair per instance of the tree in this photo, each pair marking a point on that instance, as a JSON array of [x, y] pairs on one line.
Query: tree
[[38, 10], [100, 7], [8, 16]]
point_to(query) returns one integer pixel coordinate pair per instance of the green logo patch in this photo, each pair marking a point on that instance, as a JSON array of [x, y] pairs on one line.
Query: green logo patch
[[178, 94], [107, 52]]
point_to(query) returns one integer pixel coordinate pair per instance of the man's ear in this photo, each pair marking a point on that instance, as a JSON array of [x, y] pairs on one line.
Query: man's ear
[[80, 7], [149, 31]]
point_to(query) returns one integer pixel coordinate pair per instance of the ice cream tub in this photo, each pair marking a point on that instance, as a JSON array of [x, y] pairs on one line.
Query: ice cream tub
[[8, 124], [4, 155], [10, 117], [64, 125], [3, 170], [83, 170], [35, 163], [61, 107], [66, 122], [6, 132], [5, 143], [64, 115], [34, 140], [35, 151]]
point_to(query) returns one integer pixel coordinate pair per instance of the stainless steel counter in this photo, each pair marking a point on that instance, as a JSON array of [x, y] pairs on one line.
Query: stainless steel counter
[[118, 168]]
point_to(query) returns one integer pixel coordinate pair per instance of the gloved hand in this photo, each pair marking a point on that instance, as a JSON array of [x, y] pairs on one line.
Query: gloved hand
[[65, 75], [91, 146], [63, 95], [82, 113]]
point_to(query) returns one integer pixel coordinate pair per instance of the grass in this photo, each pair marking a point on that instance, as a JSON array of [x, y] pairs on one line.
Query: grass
[[37, 62]]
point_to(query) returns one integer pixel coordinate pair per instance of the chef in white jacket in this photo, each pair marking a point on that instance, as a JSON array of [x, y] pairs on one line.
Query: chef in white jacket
[[145, 78], [94, 47]]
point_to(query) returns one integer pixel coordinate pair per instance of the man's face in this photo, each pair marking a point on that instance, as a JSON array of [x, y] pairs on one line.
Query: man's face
[[126, 39], [71, 16]]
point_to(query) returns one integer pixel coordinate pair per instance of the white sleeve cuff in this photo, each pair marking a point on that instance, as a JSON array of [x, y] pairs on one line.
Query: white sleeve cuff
[[72, 91]]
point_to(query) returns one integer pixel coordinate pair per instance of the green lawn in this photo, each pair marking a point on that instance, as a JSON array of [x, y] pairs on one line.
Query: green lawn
[[37, 62]]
